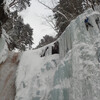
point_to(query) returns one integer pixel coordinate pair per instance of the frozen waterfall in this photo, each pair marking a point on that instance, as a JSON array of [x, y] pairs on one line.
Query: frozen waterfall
[[67, 69]]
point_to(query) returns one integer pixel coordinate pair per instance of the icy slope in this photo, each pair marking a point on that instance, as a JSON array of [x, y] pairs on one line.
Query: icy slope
[[35, 75], [73, 74]]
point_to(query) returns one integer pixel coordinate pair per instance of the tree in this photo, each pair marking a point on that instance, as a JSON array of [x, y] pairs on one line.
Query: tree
[[71, 9], [19, 5], [54, 10], [20, 34], [64, 12], [46, 40], [67, 10]]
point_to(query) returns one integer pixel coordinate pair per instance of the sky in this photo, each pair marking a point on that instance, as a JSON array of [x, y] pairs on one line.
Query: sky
[[34, 15]]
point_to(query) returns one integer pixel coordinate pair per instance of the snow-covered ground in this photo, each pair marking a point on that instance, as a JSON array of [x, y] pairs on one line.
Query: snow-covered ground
[[72, 74]]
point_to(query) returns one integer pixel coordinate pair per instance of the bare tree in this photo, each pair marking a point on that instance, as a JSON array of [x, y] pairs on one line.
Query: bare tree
[[51, 23], [52, 9]]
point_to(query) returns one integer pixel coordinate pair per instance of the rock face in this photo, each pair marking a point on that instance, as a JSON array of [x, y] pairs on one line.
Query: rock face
[[8, 76]]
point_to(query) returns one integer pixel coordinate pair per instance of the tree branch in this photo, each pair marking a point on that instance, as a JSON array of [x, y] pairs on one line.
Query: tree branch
[[51, 25], [13, 3], [54, 10]]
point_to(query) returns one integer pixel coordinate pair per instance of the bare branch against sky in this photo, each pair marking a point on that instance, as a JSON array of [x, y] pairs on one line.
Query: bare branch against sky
[[34, 16]]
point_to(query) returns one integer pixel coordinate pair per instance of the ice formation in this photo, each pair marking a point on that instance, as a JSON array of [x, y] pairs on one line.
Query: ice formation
[[72, 73], [3, 47]]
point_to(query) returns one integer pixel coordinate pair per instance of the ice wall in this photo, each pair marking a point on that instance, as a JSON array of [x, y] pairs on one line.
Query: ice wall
[[35, 76], [76, 32], [73, 74]]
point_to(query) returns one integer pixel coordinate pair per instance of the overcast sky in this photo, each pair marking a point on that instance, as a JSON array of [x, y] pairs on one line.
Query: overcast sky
[[34, 16]]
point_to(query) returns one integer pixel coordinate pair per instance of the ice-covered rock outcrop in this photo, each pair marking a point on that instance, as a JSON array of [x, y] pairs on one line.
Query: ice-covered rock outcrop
[[3, 50], [3, 47], [71, 73]]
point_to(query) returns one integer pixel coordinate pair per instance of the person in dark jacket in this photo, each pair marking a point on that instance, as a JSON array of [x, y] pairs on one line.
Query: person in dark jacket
[[87, 23]]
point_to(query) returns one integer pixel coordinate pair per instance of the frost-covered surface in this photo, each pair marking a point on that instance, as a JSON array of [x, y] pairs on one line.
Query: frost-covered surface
[[3, 50], [6, 5], [35, 75], [73, 74], [6, 37], [3, 46]]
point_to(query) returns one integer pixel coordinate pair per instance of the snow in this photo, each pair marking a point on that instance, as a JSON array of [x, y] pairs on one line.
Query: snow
[[3, 48], [6, 5], [31, 71], [73, 74], [6, 36]]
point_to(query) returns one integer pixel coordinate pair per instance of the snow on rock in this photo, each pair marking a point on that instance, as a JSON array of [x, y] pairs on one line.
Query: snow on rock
[[3, 46], [3, 50], [73, 73], [6, 37], [6, 5]]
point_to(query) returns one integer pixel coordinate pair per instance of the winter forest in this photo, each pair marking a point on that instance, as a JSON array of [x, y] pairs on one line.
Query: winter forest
[[63, 66]]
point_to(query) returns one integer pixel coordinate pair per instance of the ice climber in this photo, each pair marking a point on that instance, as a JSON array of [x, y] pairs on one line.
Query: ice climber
[[87, 23]]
